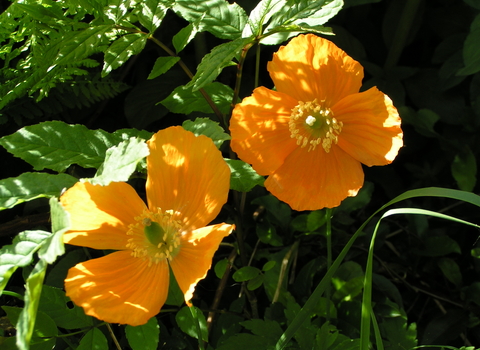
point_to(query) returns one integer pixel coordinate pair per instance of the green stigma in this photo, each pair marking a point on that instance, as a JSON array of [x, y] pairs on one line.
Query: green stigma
[[154, 232]]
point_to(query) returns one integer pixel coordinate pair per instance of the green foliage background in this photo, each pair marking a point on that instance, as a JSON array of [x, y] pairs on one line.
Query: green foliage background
[[83, 84]]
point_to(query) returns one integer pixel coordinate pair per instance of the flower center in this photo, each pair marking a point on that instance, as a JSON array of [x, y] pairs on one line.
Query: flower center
[[312, 124], [155, 236]]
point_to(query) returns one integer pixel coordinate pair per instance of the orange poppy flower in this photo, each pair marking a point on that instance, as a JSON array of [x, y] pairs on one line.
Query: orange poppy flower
[[311, 134], [187, 184]]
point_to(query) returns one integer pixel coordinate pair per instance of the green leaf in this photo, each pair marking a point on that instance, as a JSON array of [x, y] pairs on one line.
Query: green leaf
[[185, 100], [162, 65], [423, 120], [221, 267], [268, 329], [29, 186], [121, 161], [53, 302], [191, 320], [56, 145], [94, 339], [19, 253], [150, 13], [464, 169], [471, 49], [267, 234], [255, 282], [213, 63], [121, 50], [243, 178], [451, 270], [260, 15], [175, 295], [207, 127], [185, 35], [246, 273], [439, 246], [144, 337], [242, 341], [224, 20], [26, 320]]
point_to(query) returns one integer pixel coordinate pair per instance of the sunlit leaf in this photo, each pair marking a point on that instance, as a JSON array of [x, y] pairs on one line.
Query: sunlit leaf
[[191, 320], [207, 127], [121, 50], [243, 178], [162, 65], [260, 15], [150, 13]]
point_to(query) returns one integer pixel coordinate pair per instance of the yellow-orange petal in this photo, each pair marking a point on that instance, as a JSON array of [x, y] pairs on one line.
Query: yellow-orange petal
[[195, 256], [100, 215], [371, 130], [316, 179], [186, 174], [310, 67], [119, 288], [259, 129]]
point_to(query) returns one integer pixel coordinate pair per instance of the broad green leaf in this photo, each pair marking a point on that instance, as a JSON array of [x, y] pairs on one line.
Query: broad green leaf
[[150, 13], [242, 177], [94, 339], [121, 161], [471, 49], [191, 320], [56, 145], [279, 34], [162, 65], [144, 337], [268, 329], [121, 50], [29, 186], [53, 302], [213, 63], [255, 282], [464, 169], [19, 253], [185, 35], [224, 20], [260, 15], [221, 267], [26, 320], [451, 270], [185, 100], [246, 273], [116, 10], [207, 127], [53, 246]]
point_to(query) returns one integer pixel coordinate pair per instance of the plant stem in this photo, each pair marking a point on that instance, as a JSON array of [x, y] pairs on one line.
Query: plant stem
[[328, 215]]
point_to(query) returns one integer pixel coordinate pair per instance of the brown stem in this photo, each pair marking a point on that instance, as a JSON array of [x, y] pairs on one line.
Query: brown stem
[[17, 225]]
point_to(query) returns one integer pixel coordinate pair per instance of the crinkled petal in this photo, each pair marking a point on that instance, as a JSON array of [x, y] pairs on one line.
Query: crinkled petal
[[119, 288], [259, 129], [186, 174], [195, 256], [371, 130], [100, 215], [316, 179], [310, 67]]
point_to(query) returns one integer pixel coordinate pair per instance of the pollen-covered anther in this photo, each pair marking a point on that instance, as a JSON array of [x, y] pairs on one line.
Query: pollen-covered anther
[[312, 124]]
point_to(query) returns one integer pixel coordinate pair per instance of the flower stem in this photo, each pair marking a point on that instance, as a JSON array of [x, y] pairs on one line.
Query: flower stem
[[236, 90], [328, 215]]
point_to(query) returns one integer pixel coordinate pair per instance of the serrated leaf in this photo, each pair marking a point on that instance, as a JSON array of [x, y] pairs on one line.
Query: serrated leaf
[[121, 161], [162, 65], [242, 176], [224, 20], [93, 339], [151, 13], [471, 49], [144, 337], [29, 186], [213, 63], [53, 302], [56, 145], [121, 50], [26, 320], [185, 100], [19, 253], [191, 320], [246, 273], [260, 15], [207, 127]]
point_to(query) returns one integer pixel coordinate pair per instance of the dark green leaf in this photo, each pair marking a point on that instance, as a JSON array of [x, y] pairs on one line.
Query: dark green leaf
[[255, 282], [439, 246], [29, 186], [221, 267], [269, 329], [451, 271], [185, 35], [162, 65], [464, 169], [121, 49], [144, 337], [471, 49], [267, 234], [244, 341], [175, 295], [207, 127], [246, 273], [243, 178], [191, 320], [94, 339]]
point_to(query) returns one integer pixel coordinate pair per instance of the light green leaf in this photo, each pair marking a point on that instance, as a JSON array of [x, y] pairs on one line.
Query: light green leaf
[[121, 50], [19, 253], [53, 246], [150, 13], [116, 10], [26, 320], [191, 320], [185, 35], [56, 145], [144, 337], [246, 273], [207, 127], [224, 20], [121, 161], [471, 49], [464, 170], [29, 186], [212, 63], [183, 100], [242, 177], [162, 65], [260, 15], [94, 339]]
